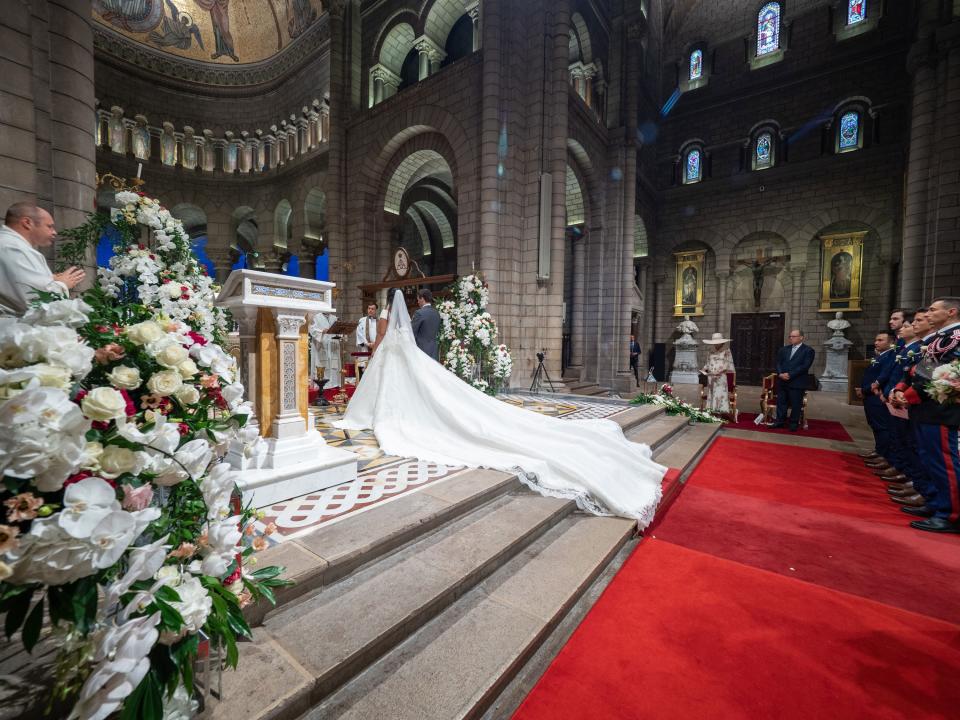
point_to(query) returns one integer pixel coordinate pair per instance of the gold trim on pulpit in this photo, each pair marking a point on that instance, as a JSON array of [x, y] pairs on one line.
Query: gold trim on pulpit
[[268, 401]]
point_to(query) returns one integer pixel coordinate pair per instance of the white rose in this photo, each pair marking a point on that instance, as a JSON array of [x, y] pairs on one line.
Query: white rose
[[168, 575], [187, 395], [104, 404], [195, 603], [171, 355], [116, 461], [145, 332], [171, 290], [165, 382], [92, 453], [188, 368], [125, 377]]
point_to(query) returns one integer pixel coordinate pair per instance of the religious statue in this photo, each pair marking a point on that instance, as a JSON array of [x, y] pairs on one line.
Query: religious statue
[[841, 275], [838, 325], [757, 266], [325, 348], [689, 294], [686, 328]]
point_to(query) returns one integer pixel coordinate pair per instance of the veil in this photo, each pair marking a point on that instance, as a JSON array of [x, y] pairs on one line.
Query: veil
[[417, 408]]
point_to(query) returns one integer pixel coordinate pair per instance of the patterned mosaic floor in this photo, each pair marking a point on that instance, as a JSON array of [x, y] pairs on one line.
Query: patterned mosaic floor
[[381, 477]]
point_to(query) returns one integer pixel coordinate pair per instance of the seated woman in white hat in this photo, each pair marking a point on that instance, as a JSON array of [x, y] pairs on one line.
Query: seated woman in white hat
[[719, 363]]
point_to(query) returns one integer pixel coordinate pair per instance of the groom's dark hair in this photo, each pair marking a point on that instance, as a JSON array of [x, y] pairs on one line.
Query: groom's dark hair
[[426, 295]]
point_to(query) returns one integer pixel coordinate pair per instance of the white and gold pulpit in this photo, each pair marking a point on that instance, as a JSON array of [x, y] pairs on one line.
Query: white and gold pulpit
[[273, 312]]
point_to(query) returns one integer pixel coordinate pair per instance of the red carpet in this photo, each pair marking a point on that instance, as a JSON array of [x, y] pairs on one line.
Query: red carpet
[[781, 584], [824, 429], [680, 635]]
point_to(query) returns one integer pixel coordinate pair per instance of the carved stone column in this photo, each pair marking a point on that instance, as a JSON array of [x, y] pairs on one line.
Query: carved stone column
[[289, 421]]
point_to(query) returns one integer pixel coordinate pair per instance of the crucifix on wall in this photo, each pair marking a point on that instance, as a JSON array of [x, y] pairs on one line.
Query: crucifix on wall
[[757, 266]]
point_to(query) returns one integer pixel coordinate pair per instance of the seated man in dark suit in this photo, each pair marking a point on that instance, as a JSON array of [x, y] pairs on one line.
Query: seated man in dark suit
[[793, 368]]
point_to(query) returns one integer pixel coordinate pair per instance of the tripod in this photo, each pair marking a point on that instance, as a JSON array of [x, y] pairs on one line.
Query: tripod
[[539, 374]]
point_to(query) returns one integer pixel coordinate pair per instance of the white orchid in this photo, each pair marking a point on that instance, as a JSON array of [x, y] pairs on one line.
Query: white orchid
[[85, 505], [217, 488], [223, 537], [122, 663], [71, 313], [194, 605]]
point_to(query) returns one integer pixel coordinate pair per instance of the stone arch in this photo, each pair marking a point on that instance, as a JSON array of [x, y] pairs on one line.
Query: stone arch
[[194, 219], [440, 219], [578, 160], [880, 221], [580, 47], [244, 230], [419, 165], [394, 46], [440, 19], [575, 209], [282, 225], [315, 213], [417, 220]]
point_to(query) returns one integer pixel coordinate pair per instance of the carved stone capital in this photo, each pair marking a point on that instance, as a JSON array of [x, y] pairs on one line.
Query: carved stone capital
[[424, 44], [384, 75]]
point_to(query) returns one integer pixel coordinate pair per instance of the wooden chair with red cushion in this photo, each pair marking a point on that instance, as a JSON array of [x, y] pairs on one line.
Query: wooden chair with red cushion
[[768, 401]]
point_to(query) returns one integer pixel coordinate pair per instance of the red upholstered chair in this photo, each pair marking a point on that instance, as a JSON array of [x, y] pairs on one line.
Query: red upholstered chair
[[768, 401], [731, 393]]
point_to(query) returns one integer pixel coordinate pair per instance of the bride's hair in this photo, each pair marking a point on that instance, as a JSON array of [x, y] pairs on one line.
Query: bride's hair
[[392, 294]]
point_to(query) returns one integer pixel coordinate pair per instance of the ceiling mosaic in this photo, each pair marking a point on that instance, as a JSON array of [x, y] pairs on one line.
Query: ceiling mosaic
[[216, 31]]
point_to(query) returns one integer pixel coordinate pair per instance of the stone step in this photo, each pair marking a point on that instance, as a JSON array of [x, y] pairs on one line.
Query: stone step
[[455, 666], [329, 636], [657, 431], [331, 552], [635, 415], [686, 448]]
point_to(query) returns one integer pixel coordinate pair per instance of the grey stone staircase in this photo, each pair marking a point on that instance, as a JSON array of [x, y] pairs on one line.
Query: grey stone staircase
[[438, 603]]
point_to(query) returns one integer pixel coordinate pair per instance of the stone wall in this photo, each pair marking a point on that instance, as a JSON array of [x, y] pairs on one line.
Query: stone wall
[[811, 191], [46, 89]]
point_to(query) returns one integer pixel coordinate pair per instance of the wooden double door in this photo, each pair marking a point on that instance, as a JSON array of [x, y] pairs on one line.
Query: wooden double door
[[756, 339]]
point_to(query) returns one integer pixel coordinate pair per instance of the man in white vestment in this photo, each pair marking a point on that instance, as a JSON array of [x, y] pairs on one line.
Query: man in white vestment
[[367, 329], [23, 268], [325, 349]]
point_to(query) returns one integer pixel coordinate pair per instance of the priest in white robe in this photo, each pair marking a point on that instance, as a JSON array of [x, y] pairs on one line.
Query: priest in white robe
[[23, 268], [324, 349]]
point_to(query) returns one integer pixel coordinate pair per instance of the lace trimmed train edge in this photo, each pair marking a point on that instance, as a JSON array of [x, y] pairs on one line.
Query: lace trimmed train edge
[[644, 516], [585, 502]]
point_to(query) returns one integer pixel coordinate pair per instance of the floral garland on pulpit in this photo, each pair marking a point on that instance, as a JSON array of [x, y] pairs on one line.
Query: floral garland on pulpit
[[118, 521], [468, 337]]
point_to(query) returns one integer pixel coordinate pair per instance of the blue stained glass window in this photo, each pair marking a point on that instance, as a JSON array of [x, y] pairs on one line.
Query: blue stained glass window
[[764, 150], [850, 131], [696, 64], [856, 11], [768, 28], [692, 168]]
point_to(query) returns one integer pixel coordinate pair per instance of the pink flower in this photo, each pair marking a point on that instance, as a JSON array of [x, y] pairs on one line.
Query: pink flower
[[108, 353], [197, 337], [22, 507], [8, 538], [131, 407], [186, 550], [270, 529], [136, 498], [259, 543]]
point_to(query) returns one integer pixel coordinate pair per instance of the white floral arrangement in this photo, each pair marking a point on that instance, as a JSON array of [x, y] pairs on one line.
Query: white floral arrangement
[[468, 337], [118, 520], [674, 406], [944, 386]]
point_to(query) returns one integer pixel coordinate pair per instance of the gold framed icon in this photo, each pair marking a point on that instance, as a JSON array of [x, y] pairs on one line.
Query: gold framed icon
[[841, 271], [688, 297]]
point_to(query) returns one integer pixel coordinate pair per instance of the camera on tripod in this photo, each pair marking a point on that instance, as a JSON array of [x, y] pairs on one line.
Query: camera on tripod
[[541, 373]]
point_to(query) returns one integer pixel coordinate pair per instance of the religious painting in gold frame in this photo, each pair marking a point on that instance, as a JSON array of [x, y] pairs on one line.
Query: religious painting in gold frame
[[841, 271], [688, 298]]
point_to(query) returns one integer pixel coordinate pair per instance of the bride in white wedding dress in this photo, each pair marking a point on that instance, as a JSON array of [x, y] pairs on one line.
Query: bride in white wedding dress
[[417, 408]]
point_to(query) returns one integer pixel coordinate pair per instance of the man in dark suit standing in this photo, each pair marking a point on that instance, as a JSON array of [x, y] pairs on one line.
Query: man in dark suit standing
[[635, 358], [426, 324], [793, 367]]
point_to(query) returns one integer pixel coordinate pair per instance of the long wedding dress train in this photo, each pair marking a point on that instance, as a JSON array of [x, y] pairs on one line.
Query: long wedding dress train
[[417, 408]]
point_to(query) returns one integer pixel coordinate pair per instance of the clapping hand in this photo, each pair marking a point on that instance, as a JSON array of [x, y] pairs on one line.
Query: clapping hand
[[71, 277]]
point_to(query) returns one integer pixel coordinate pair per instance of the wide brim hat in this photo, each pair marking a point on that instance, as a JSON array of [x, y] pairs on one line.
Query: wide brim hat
[[716, 339]]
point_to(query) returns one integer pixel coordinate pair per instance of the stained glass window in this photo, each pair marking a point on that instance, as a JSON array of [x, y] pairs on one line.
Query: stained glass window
[[856, 11], [764, 150], [696, 64], [692, 167], [849, 131], [768, 28]]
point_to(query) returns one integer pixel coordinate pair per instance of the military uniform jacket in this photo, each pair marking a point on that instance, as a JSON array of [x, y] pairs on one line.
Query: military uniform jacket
[[942, 349]]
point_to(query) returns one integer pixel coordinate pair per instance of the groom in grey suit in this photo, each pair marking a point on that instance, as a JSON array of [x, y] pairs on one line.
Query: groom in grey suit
[[426, 324]]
